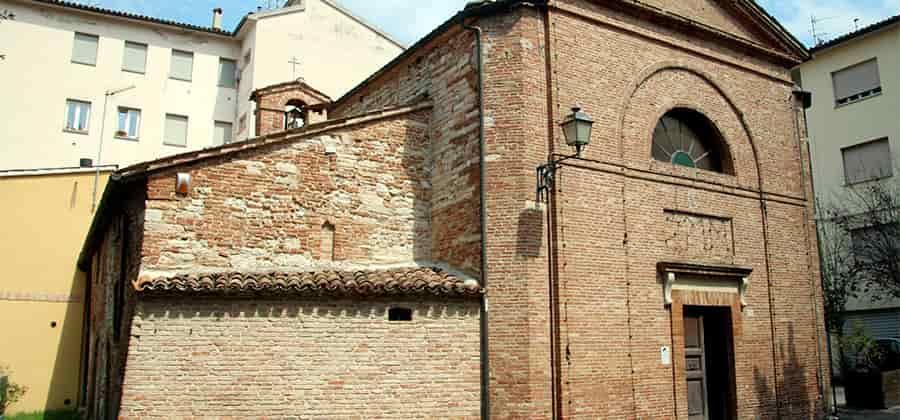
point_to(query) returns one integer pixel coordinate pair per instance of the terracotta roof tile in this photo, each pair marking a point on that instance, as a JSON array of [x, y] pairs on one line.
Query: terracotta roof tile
[[393, 282]]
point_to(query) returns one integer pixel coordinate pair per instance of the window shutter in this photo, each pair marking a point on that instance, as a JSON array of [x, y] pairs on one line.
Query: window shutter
[[868, 161], [135, 57], [84, 49], [856, 79], [176, 130], [226, 72], [222, 133], [182, 65]]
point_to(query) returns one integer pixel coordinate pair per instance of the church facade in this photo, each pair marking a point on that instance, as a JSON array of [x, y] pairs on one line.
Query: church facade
[[398, 260]]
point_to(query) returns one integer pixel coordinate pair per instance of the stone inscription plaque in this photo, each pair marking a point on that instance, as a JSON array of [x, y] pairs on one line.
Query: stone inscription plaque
[[694, 236]]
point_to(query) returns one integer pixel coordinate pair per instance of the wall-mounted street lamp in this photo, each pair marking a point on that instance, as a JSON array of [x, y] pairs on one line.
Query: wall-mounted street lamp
[[576, 128]]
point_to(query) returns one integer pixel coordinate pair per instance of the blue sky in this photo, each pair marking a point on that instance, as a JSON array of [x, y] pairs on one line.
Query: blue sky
[[409, 20]]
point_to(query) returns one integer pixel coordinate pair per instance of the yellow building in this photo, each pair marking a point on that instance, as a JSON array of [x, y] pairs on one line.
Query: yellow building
[[45, 217]]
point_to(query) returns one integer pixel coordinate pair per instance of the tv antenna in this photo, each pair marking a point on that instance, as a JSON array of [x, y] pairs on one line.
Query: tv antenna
[[268, 4], [817, 36]]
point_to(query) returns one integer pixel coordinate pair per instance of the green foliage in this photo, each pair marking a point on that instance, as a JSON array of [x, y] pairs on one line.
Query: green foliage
[[861, 353], [10, 392], [49, 415]]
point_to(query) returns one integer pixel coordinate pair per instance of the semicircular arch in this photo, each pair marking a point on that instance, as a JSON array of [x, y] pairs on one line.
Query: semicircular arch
[[666, 86]]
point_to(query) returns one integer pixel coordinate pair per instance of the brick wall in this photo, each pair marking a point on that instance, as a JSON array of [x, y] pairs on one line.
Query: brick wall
[[620, 212], [315, 358], [113, 269], [407, 188]]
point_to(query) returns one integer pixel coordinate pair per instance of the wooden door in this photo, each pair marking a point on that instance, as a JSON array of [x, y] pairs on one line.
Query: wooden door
[[695, 367]]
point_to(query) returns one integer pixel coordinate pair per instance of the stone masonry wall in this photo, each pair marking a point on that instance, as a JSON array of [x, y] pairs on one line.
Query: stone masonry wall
[[198, 358], [621, 212], [274, 207], [445, 72]]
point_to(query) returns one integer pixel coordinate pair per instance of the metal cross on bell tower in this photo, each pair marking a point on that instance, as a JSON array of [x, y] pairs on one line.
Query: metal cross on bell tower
[[294, 62]]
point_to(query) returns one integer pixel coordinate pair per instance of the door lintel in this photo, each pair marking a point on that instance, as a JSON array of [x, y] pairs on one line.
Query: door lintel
[[735, 275]]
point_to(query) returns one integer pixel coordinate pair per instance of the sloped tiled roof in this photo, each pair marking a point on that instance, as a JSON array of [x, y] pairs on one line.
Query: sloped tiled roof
[[416, 281]]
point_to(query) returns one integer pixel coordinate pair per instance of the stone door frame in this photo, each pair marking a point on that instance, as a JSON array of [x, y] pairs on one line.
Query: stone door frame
[[733, 277]]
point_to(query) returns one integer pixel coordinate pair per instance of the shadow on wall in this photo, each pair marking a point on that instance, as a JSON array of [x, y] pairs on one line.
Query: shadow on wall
[[793, 396], [65, 379], [530, 233]]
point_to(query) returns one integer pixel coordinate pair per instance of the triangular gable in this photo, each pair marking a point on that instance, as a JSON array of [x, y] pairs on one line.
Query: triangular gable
[[303, 91], [740, 18]]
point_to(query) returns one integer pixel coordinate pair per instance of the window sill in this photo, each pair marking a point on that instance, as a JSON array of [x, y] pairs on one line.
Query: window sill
[[72, 131], [134, 72], [866, 181], [858, 100], [84, 63], [133, 139], [180, 79], [174, 145]]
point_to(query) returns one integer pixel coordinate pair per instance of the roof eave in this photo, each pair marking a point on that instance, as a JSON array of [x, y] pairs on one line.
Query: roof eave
[[133, 17], [878, 27]]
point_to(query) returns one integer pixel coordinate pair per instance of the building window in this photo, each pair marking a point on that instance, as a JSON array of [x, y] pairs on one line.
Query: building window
[[685, 137], [78, 115], [857, 82], [222, 133], [176, 130], [868, 161], [182, 66], [84, 49], [129, 123], [877, 244], [134, 58], [227, 70]]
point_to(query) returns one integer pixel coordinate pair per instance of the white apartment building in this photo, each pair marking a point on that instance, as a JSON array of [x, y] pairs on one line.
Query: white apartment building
[[82, 82], [854, 130]]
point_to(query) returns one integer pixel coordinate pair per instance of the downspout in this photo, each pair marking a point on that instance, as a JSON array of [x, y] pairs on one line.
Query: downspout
[[485, 361], [552, 250], [812, 187]]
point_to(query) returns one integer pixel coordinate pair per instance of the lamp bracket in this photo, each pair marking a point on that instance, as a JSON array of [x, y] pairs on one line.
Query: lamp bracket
[[546, 174]]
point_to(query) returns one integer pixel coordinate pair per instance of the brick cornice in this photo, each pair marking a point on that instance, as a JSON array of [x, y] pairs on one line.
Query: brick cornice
[[684, 24]]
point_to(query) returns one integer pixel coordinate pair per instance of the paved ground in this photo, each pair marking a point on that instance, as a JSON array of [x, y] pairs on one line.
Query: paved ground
[[847, 414], [890, 414]]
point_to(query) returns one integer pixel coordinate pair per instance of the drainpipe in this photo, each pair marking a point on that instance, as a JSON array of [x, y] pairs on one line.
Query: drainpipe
[[485, 362], [812, 187]]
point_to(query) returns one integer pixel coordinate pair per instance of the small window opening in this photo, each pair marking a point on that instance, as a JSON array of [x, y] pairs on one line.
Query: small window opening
[[327, 242], [296, 115], [399, 314]]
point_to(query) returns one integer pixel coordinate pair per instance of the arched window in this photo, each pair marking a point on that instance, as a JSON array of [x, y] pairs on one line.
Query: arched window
[[687, 138], [295, 114]]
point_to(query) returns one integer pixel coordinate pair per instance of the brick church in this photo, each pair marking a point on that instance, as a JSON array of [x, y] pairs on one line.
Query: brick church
[[396, 253]]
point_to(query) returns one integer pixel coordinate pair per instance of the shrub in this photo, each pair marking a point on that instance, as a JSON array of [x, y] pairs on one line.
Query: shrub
[[861, 353], [10, 392]]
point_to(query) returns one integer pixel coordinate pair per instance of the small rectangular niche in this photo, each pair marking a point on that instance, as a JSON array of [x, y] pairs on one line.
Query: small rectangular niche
[[399, 314]]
